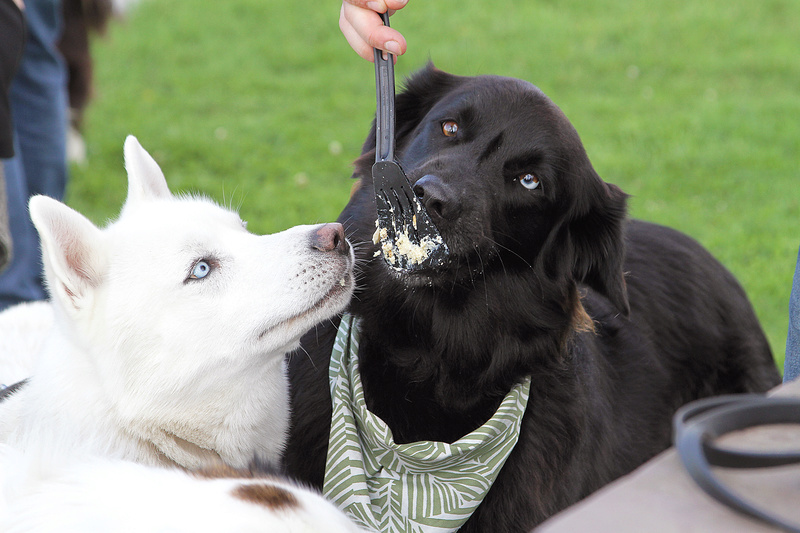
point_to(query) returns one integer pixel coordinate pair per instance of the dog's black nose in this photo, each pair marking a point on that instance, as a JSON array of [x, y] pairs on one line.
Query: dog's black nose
[[437, 197], [330, 238]]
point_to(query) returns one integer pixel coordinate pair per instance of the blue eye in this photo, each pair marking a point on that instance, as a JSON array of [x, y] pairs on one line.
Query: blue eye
[[529, 181], [200, 270]]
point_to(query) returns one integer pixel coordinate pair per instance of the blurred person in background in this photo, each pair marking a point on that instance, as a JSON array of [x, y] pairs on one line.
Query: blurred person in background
[[82, 20], [791, 365], [39, 105], [38, 101], [12, 41]]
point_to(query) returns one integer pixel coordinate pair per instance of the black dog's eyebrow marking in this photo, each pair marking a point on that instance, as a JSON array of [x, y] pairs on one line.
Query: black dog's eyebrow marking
[[523, 162], [492, 147]]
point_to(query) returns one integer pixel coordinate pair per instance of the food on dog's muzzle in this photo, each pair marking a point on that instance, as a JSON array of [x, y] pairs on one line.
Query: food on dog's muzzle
[[402, 246]]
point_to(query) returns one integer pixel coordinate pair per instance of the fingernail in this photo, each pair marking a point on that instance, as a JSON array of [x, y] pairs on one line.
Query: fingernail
[[393, 47]]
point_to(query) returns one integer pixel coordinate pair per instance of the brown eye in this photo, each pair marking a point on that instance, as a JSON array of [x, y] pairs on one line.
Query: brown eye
[[449, 128], [528, 180]]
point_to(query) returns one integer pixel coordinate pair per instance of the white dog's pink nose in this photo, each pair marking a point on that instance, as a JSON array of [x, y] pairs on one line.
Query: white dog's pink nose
[[329, 238]]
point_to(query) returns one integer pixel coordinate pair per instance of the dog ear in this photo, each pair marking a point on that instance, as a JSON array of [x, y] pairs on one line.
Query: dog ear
[[145, 179], [70, 253], [598, 244]]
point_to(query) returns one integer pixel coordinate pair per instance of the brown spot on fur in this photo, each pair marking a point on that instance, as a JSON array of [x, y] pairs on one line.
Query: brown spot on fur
[[355, 187], [270, 496], [581, 321], [260, 492], [363, 166]]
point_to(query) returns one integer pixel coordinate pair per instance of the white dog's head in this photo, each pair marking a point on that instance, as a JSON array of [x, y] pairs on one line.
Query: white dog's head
[[176, 296]]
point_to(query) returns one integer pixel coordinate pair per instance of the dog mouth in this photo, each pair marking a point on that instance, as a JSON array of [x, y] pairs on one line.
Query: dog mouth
[[464, 264], [333, 300], [339, 288]]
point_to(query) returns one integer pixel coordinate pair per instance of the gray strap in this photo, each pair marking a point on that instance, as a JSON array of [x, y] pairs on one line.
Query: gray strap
[[698, 424]]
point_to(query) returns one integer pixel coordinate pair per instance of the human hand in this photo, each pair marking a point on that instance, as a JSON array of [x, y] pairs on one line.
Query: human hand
[[363, 28]]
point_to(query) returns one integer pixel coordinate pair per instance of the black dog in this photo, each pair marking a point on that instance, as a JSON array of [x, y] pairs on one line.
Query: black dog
[[618, 322]]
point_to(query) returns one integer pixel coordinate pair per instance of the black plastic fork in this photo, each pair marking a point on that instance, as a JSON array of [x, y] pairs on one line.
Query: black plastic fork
[[408, 238]]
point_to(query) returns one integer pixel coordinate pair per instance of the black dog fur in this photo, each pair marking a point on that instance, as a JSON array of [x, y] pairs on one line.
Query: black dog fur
[[619, 322]]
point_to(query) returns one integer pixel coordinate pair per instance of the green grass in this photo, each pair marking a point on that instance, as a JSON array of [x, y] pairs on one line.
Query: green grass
[[691, 107]]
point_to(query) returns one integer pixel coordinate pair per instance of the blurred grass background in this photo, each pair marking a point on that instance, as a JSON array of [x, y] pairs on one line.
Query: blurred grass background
[[691, 107]]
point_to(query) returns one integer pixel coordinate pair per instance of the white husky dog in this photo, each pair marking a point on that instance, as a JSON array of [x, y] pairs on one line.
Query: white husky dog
[[170, 330]]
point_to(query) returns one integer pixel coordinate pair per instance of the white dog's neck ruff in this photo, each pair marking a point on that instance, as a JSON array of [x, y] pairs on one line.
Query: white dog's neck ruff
[[422, 486]]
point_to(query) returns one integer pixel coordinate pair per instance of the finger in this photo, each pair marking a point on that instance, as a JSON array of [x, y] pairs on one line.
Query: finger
[[374, 5], [364, 29], [379, 6], [394, 5], [355, 40]]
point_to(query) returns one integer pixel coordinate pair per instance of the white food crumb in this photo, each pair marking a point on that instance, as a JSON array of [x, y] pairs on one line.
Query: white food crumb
[[402, 247], [388, 252]]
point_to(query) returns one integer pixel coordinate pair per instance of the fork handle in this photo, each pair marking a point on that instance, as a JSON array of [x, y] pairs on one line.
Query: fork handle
[[384, 115]]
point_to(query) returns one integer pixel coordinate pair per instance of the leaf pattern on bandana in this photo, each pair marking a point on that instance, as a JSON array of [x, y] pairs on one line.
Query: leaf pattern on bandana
[[416, 487]]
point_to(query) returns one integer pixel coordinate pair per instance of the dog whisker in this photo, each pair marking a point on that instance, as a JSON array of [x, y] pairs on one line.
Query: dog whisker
[[483, 274], [506, 248], [308, 355]]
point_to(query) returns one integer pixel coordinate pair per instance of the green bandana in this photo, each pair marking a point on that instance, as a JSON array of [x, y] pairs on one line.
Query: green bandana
[[416, 487]]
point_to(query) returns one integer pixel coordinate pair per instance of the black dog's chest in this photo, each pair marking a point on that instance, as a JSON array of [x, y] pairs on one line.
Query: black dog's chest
[[412, 398]]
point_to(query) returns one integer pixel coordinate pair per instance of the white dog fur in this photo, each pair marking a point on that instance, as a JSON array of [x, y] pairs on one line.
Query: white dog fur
[[170, 330], [23, 329], [102, 495]]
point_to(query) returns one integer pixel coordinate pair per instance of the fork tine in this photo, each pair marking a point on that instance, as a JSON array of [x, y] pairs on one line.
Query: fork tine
[[409, 240]]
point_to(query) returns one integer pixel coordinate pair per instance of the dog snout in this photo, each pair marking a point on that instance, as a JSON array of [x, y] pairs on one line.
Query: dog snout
[[330, 238], [438, 199]]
